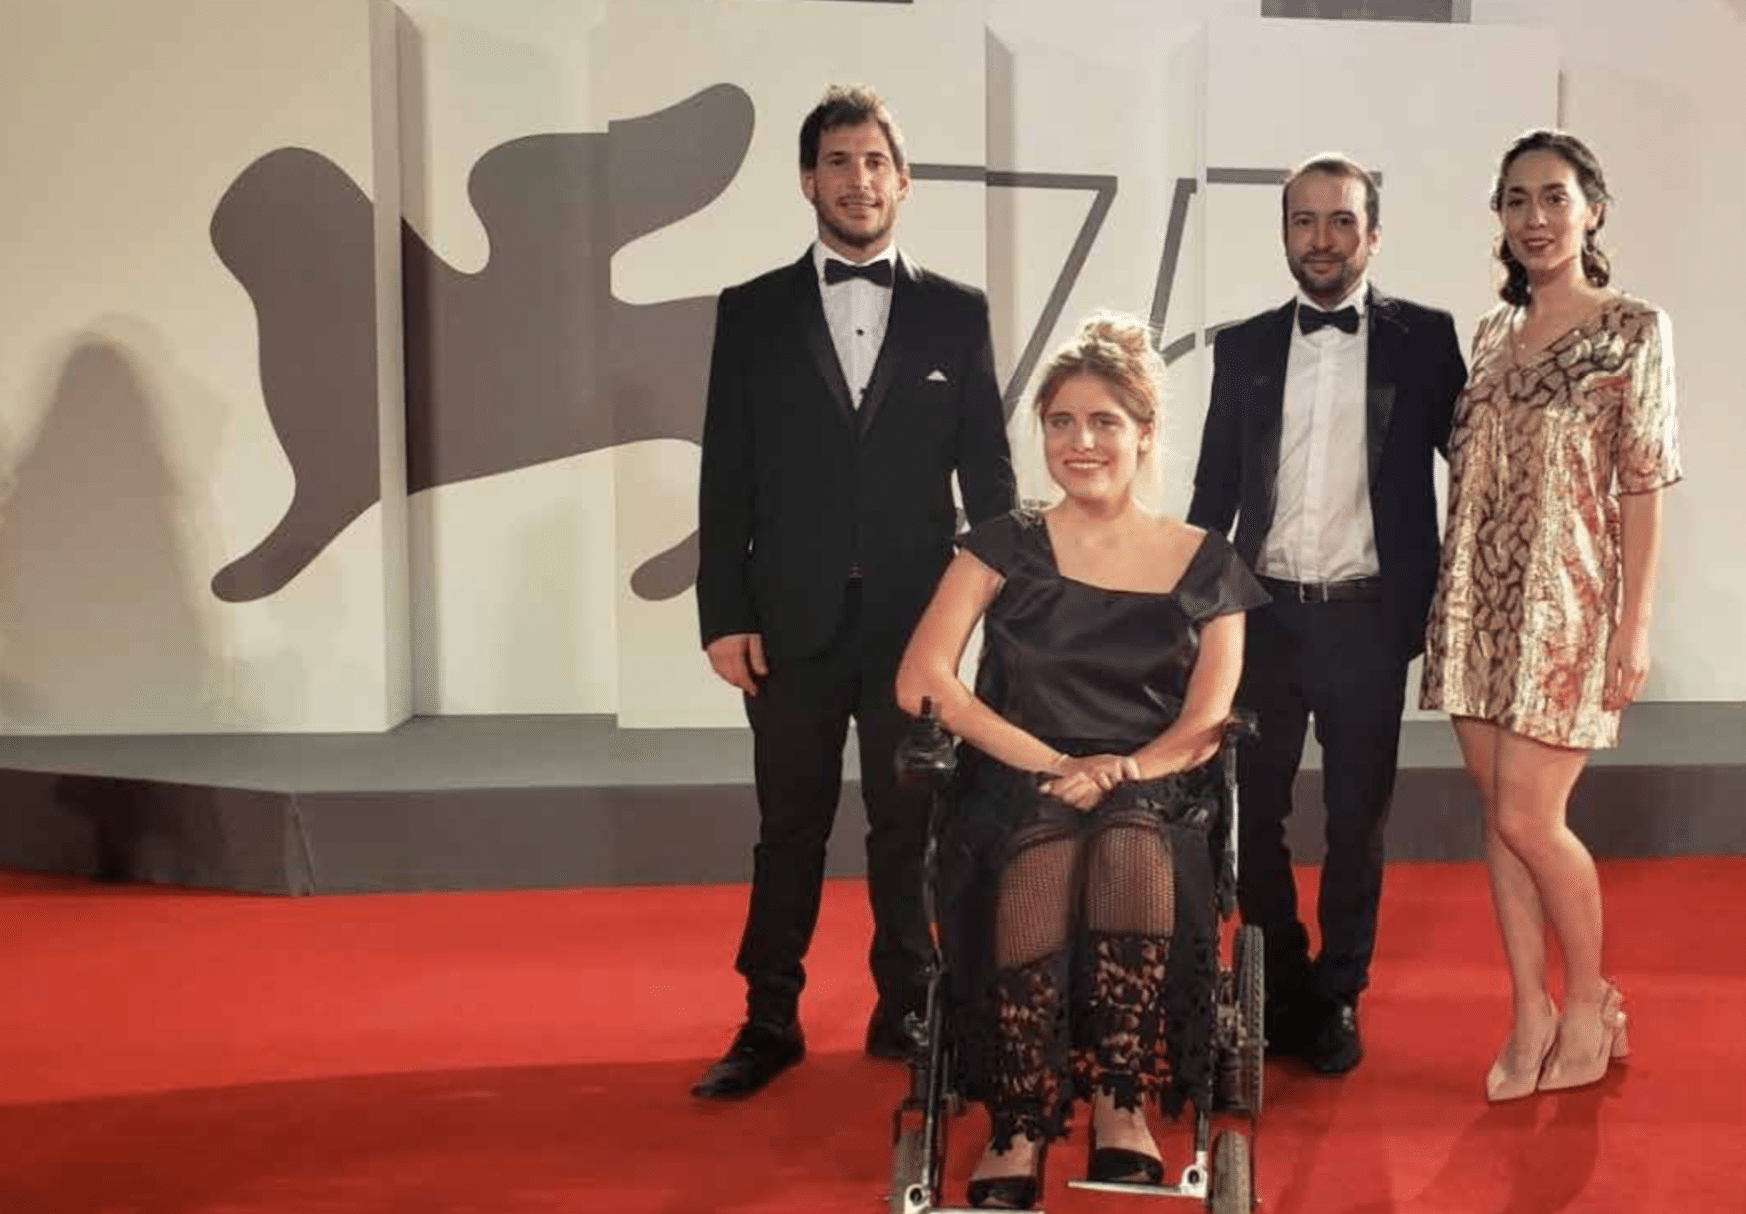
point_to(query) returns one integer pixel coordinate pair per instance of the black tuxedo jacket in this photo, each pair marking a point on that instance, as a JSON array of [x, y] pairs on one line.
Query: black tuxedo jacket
[[799, 487], [1414, 372]]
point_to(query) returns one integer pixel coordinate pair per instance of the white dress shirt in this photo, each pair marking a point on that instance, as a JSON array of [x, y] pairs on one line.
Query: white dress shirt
[[857, 312], [1322, 527]]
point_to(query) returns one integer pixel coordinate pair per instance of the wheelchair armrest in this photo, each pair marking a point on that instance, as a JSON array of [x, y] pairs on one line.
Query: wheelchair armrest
[[926, 756], [1242, 725]]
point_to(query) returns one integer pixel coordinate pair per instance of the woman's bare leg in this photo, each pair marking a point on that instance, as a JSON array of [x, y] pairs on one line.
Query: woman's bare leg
[[1534, 782], [1515, 899]]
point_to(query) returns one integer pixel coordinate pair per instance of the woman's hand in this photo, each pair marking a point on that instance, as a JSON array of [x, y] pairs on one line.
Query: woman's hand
[[1627, 664], [1082, 782]]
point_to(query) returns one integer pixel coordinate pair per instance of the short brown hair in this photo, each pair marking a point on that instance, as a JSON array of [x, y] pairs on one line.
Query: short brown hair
[[849, 105], [1335, 164]]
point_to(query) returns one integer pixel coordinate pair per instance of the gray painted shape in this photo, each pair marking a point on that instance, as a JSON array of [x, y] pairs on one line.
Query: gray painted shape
[[531, 359], [297, 234], [1171, 258]]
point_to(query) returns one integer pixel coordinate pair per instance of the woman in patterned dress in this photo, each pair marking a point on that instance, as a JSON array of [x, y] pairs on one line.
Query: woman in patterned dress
[[1077, 908], [1539, 633]]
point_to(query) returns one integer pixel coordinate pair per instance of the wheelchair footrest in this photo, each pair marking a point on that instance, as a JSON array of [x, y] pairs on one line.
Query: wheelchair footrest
[[1194, 1181]]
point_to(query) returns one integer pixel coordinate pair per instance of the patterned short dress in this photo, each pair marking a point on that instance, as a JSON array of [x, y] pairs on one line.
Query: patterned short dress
[[1528, 592]]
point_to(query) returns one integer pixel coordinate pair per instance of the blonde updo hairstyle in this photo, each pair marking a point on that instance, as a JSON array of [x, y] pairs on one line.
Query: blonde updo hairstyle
[[1118, 350]]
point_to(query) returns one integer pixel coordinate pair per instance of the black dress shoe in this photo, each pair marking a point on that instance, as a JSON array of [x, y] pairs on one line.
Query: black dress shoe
[[760, 1052], [888, 1038], [1337, 1048]]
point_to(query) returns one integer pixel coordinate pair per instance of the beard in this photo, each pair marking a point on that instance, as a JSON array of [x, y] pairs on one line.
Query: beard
[[849, 238], [1331, 285]]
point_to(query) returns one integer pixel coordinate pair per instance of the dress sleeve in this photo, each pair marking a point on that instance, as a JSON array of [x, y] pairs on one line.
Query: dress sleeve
[[1646, 445], [997, 541], [1218, 582]]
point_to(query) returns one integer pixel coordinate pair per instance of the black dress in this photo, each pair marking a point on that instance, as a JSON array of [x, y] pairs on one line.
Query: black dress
[[1082, 947]]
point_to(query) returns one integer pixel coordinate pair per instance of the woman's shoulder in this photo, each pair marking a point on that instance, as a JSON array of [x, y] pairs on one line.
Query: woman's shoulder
[[1635, 314], [1201, 541], [1023, 522], [1216, 579], [999, 541], [1496, 318], [1630, 325]]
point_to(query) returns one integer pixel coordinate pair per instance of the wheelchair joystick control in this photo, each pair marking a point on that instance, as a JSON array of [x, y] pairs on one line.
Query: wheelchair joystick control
[[926, 757]]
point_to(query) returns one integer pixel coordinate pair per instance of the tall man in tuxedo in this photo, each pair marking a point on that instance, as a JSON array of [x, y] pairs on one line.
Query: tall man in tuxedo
[[1319, 440], [845, 390]]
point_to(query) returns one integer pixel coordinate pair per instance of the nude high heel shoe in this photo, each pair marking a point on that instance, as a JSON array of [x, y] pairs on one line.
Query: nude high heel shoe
[[1561, 1074], [1503, 1084]]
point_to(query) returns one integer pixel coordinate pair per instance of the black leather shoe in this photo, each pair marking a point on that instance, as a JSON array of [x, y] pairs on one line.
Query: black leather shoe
[[1337, 1048], [887, 1037], [760, 1052]]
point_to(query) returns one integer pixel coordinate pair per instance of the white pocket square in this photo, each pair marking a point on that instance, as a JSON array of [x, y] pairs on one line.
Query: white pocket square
[[936, 376]]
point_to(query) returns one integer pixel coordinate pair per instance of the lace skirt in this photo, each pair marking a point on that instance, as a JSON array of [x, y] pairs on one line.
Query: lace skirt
[[1081, 948]]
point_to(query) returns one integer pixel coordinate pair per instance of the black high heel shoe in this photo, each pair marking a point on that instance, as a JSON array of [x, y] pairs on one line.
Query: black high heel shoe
[[1119, 1165], [1010, 1192]]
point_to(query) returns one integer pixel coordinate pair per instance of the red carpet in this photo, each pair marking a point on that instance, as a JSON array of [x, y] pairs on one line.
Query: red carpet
[[171, 1052]]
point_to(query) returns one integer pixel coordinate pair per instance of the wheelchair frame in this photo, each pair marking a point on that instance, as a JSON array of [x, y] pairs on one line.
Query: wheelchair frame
[[1221, 1173]]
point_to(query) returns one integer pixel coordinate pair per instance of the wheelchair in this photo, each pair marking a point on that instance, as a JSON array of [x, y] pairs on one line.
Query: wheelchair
[[1221, 1173]]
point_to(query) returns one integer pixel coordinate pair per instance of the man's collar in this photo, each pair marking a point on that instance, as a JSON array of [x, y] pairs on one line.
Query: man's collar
[[821, 252], [1358, 297]]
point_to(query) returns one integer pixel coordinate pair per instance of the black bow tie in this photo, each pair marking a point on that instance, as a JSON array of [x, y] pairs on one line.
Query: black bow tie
[[1310, 319], [876, 272]]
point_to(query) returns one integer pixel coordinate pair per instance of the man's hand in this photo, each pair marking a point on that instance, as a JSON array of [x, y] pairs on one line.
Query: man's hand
[[738, 658], [1083, 782]]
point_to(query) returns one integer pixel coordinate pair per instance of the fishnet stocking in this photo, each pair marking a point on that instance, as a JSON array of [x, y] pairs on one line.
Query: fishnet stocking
[[1108, 877]]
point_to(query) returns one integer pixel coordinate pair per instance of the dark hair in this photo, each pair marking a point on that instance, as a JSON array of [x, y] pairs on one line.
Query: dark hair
[[1335, 164], [848, 105], [1116, 349], [1574, 152]]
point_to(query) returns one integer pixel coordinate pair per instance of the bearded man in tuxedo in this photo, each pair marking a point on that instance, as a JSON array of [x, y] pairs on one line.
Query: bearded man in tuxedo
[[1320, 438], [845, 391]]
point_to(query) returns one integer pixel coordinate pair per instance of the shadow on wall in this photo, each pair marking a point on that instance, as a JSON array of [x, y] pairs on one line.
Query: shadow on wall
[[530, 359], [96, 622]]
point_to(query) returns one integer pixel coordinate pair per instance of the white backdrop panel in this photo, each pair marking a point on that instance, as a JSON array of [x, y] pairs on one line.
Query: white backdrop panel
[[512, 575], [139, 454], [1124, 111]]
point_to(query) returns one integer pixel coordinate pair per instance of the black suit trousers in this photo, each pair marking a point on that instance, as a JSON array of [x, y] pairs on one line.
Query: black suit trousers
[[1338, 663], [800, 719]]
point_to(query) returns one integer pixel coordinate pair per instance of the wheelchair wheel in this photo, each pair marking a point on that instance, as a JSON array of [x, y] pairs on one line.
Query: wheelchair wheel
[[1241, 1036], [1251, 1044], [1232, 1186]]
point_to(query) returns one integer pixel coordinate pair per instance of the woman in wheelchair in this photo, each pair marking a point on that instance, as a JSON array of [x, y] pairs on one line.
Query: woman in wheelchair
[[1077, 909]]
